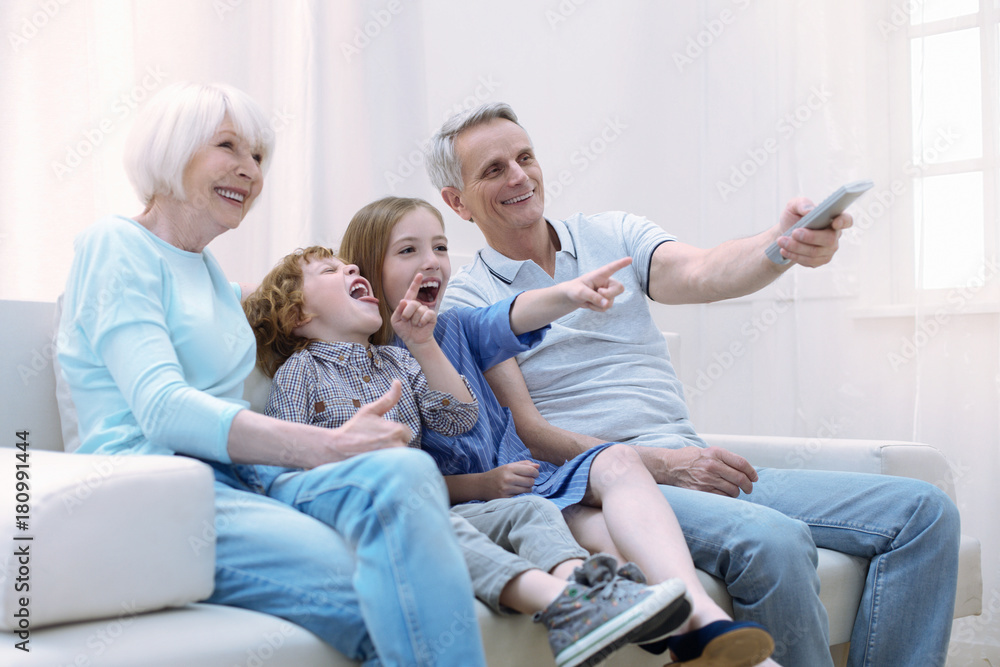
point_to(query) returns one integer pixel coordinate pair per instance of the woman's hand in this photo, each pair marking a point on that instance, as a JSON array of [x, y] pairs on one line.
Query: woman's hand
[[257, 438], [412, 321], [368, 429]]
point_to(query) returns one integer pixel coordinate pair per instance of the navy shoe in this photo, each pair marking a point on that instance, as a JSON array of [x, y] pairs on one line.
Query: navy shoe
[[722, 644]]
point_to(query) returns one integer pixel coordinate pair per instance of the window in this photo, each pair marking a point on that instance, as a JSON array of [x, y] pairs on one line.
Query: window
[[955, 104]]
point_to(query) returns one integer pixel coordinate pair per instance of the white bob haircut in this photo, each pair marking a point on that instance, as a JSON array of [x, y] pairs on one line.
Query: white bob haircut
[[443, 165], [178, 121]]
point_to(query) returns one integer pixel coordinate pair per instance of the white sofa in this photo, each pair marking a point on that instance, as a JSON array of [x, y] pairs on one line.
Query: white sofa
[[122, 548]]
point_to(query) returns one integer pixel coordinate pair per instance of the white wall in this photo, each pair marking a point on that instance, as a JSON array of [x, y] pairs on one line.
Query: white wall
[[620, 121]]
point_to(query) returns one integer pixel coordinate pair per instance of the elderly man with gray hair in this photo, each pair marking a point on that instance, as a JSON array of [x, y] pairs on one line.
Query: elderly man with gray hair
[[757, 530]]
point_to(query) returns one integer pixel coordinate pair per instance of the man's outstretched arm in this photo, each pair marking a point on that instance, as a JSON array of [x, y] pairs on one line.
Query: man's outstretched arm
[[681, 273]]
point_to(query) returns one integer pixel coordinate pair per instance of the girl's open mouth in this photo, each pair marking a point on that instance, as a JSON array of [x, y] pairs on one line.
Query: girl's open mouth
[[428, 292]]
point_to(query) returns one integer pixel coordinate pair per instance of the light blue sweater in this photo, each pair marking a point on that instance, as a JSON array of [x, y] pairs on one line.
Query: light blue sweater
[[153, 344]]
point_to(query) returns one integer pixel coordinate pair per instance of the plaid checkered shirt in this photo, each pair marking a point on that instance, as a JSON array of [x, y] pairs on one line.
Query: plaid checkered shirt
[[326, 383]]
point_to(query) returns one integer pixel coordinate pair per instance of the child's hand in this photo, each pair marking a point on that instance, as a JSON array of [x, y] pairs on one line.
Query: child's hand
[[596, 290], [511, 479], [412, 321]]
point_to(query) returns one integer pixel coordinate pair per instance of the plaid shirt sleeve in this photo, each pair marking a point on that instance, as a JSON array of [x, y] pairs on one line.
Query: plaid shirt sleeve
[[439, 410], [292, 391]]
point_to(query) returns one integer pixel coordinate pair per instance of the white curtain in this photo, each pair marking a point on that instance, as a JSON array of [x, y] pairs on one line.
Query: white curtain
[[704, 116], [900, 337]]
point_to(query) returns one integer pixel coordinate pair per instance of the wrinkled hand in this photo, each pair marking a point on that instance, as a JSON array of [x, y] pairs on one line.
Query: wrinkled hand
[[368, 429], [596, 290], [412, 321], [710, 469], [511, 479], [809, 247]]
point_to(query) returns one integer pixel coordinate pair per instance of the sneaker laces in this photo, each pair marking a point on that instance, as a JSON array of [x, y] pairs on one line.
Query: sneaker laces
[[598, 573]]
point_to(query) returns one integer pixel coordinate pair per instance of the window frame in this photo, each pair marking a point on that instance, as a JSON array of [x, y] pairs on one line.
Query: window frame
[[982, 290]]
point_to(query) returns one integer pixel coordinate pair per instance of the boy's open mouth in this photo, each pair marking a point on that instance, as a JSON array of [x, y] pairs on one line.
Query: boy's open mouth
[[361, 291], [428, 292]]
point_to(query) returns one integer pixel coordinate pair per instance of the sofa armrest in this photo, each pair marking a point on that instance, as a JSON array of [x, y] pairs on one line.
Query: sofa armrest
[[881, 457], [106, 536]]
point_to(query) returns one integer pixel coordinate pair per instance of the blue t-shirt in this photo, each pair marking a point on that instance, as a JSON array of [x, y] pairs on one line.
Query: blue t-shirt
[[475, 340], [153, 344]]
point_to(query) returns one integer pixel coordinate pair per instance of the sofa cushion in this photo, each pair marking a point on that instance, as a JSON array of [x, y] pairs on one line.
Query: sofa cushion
[[68, 419], [196, 635], [105, 536]]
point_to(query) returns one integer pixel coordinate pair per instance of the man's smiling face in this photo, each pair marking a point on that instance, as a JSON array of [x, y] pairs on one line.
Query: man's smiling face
[[502, 180]]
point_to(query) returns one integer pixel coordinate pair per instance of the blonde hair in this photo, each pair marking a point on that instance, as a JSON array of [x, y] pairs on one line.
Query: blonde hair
[[367, 240], [276, 308]]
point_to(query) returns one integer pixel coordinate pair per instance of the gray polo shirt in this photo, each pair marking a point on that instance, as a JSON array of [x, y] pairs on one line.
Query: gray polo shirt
[[607, 375]]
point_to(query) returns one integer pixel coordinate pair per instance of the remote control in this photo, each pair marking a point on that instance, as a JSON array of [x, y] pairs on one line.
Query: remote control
[[822, 216]]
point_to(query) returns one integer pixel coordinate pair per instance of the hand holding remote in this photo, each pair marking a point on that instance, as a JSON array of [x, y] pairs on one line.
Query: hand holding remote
[[822, 216]]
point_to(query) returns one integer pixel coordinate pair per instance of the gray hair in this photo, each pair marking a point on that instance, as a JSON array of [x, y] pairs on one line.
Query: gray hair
[[443, 165], [178, 121]]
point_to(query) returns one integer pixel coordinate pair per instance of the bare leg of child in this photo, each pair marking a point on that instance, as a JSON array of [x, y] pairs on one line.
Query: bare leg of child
[[623, 489], [532, 591]]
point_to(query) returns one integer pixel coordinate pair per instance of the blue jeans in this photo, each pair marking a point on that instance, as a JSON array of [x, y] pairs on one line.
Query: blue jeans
[[763, 546], [387, 585]]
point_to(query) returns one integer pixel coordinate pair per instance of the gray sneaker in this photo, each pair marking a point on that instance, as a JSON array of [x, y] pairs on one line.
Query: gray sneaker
[[650, 636], [599, 612]]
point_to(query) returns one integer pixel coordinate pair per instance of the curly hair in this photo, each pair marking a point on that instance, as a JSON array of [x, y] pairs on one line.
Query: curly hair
[[274, 309]]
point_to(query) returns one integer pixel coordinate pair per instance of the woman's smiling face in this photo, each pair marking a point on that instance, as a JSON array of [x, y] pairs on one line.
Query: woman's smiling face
[[223, 177]]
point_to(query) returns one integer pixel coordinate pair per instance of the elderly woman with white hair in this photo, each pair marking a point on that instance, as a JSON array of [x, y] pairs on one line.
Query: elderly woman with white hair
[[155, 348]]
